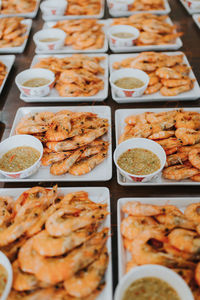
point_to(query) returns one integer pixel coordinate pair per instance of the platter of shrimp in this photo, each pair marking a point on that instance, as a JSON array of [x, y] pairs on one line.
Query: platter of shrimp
[[196, 18], [159, 7], [80, 9], [49, 261], [14, 33], [176, 130], [190, 10], [85, 129], [83, 35], [170, 74], [156, 33], [19, 8], [88, 73], [163, 231], [6, 63]]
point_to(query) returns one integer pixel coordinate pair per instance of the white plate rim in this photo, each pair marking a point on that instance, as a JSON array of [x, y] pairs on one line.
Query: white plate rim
[[10, 62], [195, 18], [189, 10]]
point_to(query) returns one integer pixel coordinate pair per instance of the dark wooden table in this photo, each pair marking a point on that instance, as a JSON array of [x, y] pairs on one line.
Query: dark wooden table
[[10, 102]]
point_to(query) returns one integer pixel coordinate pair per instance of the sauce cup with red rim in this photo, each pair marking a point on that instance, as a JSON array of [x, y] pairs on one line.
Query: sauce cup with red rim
[[22, 140], [7, 265], [53, 7], [120, 5], [128, 72], [123, 42], [144, 144], [29, 74], [52, 33], [169, 276]]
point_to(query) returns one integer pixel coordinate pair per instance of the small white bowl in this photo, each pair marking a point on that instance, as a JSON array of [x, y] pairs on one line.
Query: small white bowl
[[58, 34], [123, 42], [193, 4], [40, 91], [53, 7], [129, 72], [20, 141], [144, 144], [160, 272], [120, 5], [7, 265]]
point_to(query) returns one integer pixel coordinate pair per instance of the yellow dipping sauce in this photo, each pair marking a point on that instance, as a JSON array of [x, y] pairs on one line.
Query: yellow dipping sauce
[[18, 159], [48, 40], [3, 279], [129, 83], [123, 35], [139, 161], [36, 82], [150, 288]]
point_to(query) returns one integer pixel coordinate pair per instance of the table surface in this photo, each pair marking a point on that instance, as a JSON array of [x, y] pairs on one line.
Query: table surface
[[10, 102]]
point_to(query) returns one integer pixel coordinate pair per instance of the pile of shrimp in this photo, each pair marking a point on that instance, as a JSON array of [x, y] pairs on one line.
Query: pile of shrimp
[[17, 6], [167, 73], [3, 72], [83, 7], [165, 236], [55, 244], [154, 30], [76, 76], [178, 132], [12, 32], [145, 5], [71, 140], [82, 34]]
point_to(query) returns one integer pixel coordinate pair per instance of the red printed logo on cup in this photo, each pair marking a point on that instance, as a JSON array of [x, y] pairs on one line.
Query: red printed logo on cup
[[51, 47], [14, 176], [137, 179], [53, 11], [128, 93], [26, 91], [189, 4], [113, 41], [111, 5]]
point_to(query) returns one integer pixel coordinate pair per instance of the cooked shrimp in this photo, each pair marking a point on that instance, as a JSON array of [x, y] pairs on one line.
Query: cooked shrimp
[[194, 158], [53, 157], [175, 219], [168, 73], [175, 159], [179, 172], [60, 223], [171, 83], [197, 274], [185, 240], [138, 209], [188, 136], [153, 88], [85, 282], [192, 212], [161, 135], [165, 91]]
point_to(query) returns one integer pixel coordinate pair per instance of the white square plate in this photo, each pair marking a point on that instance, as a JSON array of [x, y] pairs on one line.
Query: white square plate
[[175, 46], [72, 17], [27, 15], [102, 172], [116, 13], [69, 49], [195, 18], [120, 116], [189, 10], [54, 96], [98, 195], [156, 97], [21, 48], [123, 254], [8, 61]]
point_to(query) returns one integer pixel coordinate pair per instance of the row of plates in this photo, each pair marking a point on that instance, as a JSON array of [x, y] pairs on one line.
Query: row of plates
[[102, 195], [102, 172], [103, 94]]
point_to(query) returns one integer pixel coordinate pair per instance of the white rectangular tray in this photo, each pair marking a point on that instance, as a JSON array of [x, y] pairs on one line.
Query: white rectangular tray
[[54, 96], [8, 60], [175, 46], [195, 18], [72, 17], [102, 172], [69, 49], [98, 195], [21, 48], [120, 116], [27, 15], [123, 255], [116, 13], [189, 10], [156, 97]]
